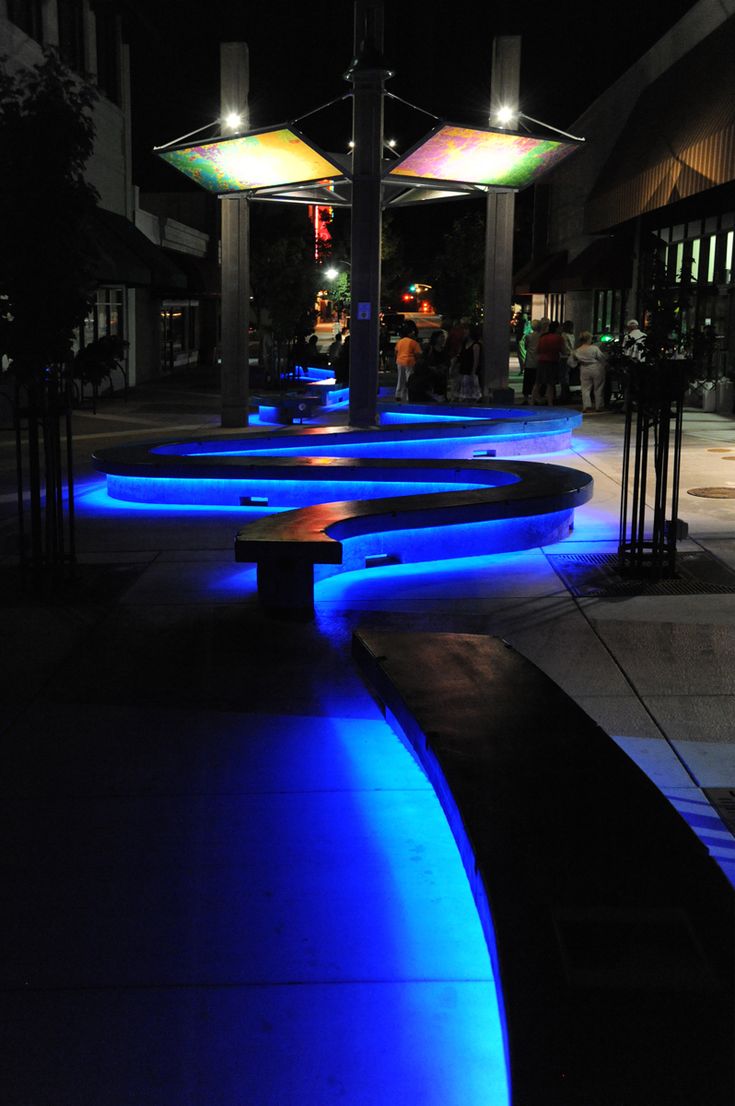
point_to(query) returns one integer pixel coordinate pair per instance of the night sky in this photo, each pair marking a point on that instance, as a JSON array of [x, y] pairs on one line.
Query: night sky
[[440, 51]]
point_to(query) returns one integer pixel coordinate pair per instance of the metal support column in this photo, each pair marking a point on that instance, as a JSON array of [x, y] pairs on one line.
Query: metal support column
[[235, 238], [367, 72], [504, 92]]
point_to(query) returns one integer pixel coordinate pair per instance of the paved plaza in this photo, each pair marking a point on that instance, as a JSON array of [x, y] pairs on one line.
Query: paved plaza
[[226, 881]]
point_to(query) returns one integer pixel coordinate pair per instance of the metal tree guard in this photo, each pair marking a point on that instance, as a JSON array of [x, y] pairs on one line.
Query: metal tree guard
[[654, 400], [42, 416]]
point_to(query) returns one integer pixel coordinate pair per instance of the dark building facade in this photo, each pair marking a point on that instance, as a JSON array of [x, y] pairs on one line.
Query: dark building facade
[[651, 195], [157, 268]]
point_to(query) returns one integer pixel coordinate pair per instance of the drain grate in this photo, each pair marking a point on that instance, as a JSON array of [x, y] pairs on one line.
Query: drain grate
[[724, 492], [723, 800], [596, 574]]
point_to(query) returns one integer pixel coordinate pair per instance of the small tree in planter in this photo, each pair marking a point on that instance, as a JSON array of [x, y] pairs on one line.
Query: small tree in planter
[[654, 397], [46, 279]]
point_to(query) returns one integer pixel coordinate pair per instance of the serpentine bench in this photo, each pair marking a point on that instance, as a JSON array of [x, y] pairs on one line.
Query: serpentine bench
[[609, 926], [533, 505]]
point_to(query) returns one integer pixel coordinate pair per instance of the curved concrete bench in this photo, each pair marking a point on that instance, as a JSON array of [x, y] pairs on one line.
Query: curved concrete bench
[[609, 926], [458, 433], [534, 506]]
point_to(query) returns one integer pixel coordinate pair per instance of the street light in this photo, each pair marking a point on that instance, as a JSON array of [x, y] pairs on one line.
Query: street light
[[331, 273]]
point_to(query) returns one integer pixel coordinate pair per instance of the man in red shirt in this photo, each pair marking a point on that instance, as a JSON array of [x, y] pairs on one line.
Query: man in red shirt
[[549, 352]]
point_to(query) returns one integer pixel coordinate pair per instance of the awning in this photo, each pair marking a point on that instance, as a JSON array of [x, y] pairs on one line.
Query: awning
[[126, 256], [678, 141], [536, 275], [202, 273], [605, 263]]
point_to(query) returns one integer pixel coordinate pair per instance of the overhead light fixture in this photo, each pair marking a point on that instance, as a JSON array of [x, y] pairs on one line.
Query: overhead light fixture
[[233, 120], [505, 115]]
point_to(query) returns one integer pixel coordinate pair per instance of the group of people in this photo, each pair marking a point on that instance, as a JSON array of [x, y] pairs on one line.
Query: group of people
[[447, 366], [548, 352], [545, 353]]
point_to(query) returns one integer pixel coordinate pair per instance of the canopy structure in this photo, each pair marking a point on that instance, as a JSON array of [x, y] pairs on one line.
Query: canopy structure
[[452, 161], [263, 161]]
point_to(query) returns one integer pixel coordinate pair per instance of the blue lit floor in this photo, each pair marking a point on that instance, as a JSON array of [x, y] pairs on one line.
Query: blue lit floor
[[216, 889], [256, 908]]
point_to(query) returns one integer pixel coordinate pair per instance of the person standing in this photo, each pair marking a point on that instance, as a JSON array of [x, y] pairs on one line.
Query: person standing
[[407, 351], [592, 371], [456, 335], [634, 341], [530, 362], [334, 349], [550, 349], [470, 365], [437, 361], [342, 364], [567, 333]]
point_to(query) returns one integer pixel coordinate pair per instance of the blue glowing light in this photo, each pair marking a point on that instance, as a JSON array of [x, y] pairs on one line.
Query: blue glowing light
[[395, 418], [411, 545], [277, 493], [448, 448], [96, 501]]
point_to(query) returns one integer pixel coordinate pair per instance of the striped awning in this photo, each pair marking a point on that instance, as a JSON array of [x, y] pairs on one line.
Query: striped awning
[[679, 139]]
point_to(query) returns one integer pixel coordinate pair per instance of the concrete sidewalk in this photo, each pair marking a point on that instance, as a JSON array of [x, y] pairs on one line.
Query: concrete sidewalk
[[228, 882]]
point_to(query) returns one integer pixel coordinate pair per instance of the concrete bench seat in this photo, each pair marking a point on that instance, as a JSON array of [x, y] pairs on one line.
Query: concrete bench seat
[[534, 505], [610, 929]]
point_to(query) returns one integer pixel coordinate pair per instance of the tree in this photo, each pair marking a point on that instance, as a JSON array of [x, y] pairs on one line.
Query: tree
[[46, 205], [339, 289], [393, 265], [46, 283], [284, 277], [459, 269]]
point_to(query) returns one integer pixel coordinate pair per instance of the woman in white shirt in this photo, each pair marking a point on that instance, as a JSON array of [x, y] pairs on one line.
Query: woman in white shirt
[[591, 361]]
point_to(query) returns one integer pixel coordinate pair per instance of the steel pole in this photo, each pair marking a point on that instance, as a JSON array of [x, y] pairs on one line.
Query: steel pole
[[498, 295], [235, 241], [367, 73]]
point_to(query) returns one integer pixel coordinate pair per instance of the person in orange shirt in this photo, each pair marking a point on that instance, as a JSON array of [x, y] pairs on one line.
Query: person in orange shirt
[[407, 351]]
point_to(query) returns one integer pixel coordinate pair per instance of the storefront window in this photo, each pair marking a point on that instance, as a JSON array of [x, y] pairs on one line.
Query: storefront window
[[179, 334], [607, 316], [554, 308], [105, 317], [26, 14], [71, 33], [712, 245]]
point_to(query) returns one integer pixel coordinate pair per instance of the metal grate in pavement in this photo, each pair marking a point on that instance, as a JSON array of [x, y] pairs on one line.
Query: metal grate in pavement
[[723, 800], [596, 574]]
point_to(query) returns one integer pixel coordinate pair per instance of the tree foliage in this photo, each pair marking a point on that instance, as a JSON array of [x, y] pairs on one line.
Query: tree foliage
[[284, 275], [339, 289], [459, 268], [46, 205], [393, 264]]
